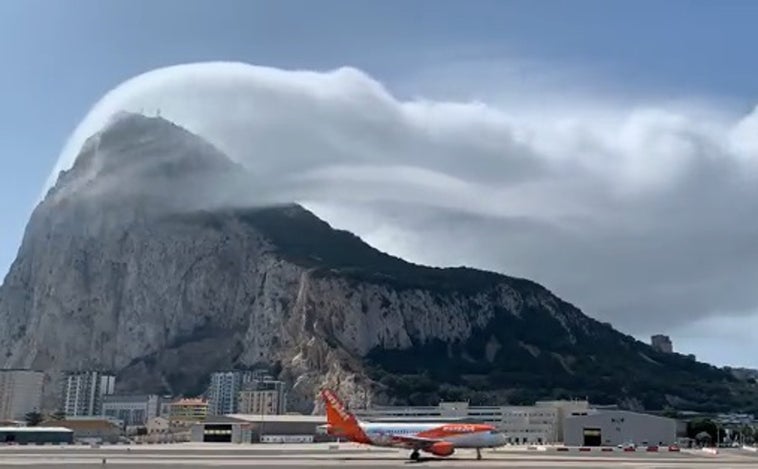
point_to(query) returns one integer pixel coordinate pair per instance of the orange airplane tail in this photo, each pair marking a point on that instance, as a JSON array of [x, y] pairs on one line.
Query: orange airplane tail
[[340, 419]]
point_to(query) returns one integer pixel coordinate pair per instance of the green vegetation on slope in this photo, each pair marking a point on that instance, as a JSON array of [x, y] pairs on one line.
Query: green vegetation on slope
[[535, 359], [304, 239], [604, 366]]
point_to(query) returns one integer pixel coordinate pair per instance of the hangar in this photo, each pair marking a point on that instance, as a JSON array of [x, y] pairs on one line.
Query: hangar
[[618, 427], [246, 428], [36, 435]]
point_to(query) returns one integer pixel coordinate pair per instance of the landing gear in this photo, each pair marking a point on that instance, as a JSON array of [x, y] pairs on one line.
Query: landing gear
[[414, 455], [478, 454]]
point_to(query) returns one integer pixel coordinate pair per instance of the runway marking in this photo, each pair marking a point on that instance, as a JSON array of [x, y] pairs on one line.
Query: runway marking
[[350, 457], [260, 462]]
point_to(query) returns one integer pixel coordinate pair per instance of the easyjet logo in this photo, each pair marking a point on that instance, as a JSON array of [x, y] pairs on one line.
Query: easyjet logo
[[336, 405], [459, 428]]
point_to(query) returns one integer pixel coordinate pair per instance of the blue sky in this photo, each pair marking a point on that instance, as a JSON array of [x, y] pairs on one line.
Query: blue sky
[[60, 57]]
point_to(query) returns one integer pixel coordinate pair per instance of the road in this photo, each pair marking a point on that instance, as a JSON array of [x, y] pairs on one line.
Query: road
[[203, 456]]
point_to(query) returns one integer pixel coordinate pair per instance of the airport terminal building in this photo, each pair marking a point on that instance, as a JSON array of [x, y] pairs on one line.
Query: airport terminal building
[[538, 424], [573, 423], [618, 427]]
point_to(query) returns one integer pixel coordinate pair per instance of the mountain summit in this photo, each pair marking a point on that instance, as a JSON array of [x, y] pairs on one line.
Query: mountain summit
[[136, 263]]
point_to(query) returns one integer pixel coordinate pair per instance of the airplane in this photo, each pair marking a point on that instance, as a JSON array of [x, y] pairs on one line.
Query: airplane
[[439, 439]]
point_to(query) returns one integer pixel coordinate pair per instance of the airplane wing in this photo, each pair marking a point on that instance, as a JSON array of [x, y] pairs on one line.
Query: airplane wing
[[417, 442]]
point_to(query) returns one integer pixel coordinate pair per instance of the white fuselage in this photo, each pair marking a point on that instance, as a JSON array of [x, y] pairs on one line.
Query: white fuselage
[[381, 434]]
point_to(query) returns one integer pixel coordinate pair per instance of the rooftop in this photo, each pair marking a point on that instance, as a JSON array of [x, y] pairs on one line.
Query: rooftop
[[119, 398], [319, 419], [35, 429], [594, 413], [190, 401], [85, 424]]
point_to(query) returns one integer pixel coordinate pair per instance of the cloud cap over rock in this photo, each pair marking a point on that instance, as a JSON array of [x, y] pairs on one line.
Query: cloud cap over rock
[[643, 216]]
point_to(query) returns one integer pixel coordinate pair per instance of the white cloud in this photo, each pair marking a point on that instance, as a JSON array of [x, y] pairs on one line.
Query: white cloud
[[641, 215]]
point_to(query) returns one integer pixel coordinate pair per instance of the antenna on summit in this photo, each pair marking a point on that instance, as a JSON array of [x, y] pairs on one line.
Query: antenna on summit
[[157, 112]]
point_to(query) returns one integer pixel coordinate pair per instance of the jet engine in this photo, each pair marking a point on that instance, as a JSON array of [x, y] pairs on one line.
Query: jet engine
[[441, 448]]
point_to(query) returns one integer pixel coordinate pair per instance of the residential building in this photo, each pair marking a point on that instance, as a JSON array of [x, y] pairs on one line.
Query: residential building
[[193, 409], [225, 386], [164, 408], [83, 392], [264, 397], [662, 343], [223, 392], [132, 410], [157, 425], [20, 393], [161, 430]]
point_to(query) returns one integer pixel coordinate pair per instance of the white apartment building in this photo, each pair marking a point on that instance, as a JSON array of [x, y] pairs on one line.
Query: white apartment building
[[20, 393], [232, 392], [132, 410], [83, 392], [223, 391]]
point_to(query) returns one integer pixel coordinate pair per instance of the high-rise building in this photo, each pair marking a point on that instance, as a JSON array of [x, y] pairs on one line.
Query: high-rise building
[[223, 390], [133, 410], [226, 388], [83, 392], [20, 393], [263, 397], [661, 343]]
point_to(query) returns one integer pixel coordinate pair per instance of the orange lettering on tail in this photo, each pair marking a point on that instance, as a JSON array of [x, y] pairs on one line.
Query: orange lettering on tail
[[342, 421]]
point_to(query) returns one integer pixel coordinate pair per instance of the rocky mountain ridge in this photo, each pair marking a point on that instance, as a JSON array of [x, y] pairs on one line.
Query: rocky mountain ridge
[[134, 262]]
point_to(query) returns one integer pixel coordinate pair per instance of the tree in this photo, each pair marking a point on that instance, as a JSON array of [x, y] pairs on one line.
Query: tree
[[698, 428], [748, 434], [58, 415], [670, 412], [33, 419]]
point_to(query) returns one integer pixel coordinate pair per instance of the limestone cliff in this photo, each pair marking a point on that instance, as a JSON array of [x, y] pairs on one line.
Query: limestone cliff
[[135, 263]]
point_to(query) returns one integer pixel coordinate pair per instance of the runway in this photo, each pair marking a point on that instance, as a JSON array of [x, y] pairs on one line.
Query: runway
[[348, 456]]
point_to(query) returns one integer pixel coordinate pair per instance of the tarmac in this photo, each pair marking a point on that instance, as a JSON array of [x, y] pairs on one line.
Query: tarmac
[[349, 456]]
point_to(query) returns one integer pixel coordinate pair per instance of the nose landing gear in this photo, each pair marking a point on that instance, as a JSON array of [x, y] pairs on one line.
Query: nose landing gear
[[414, 455], [478, 454]]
